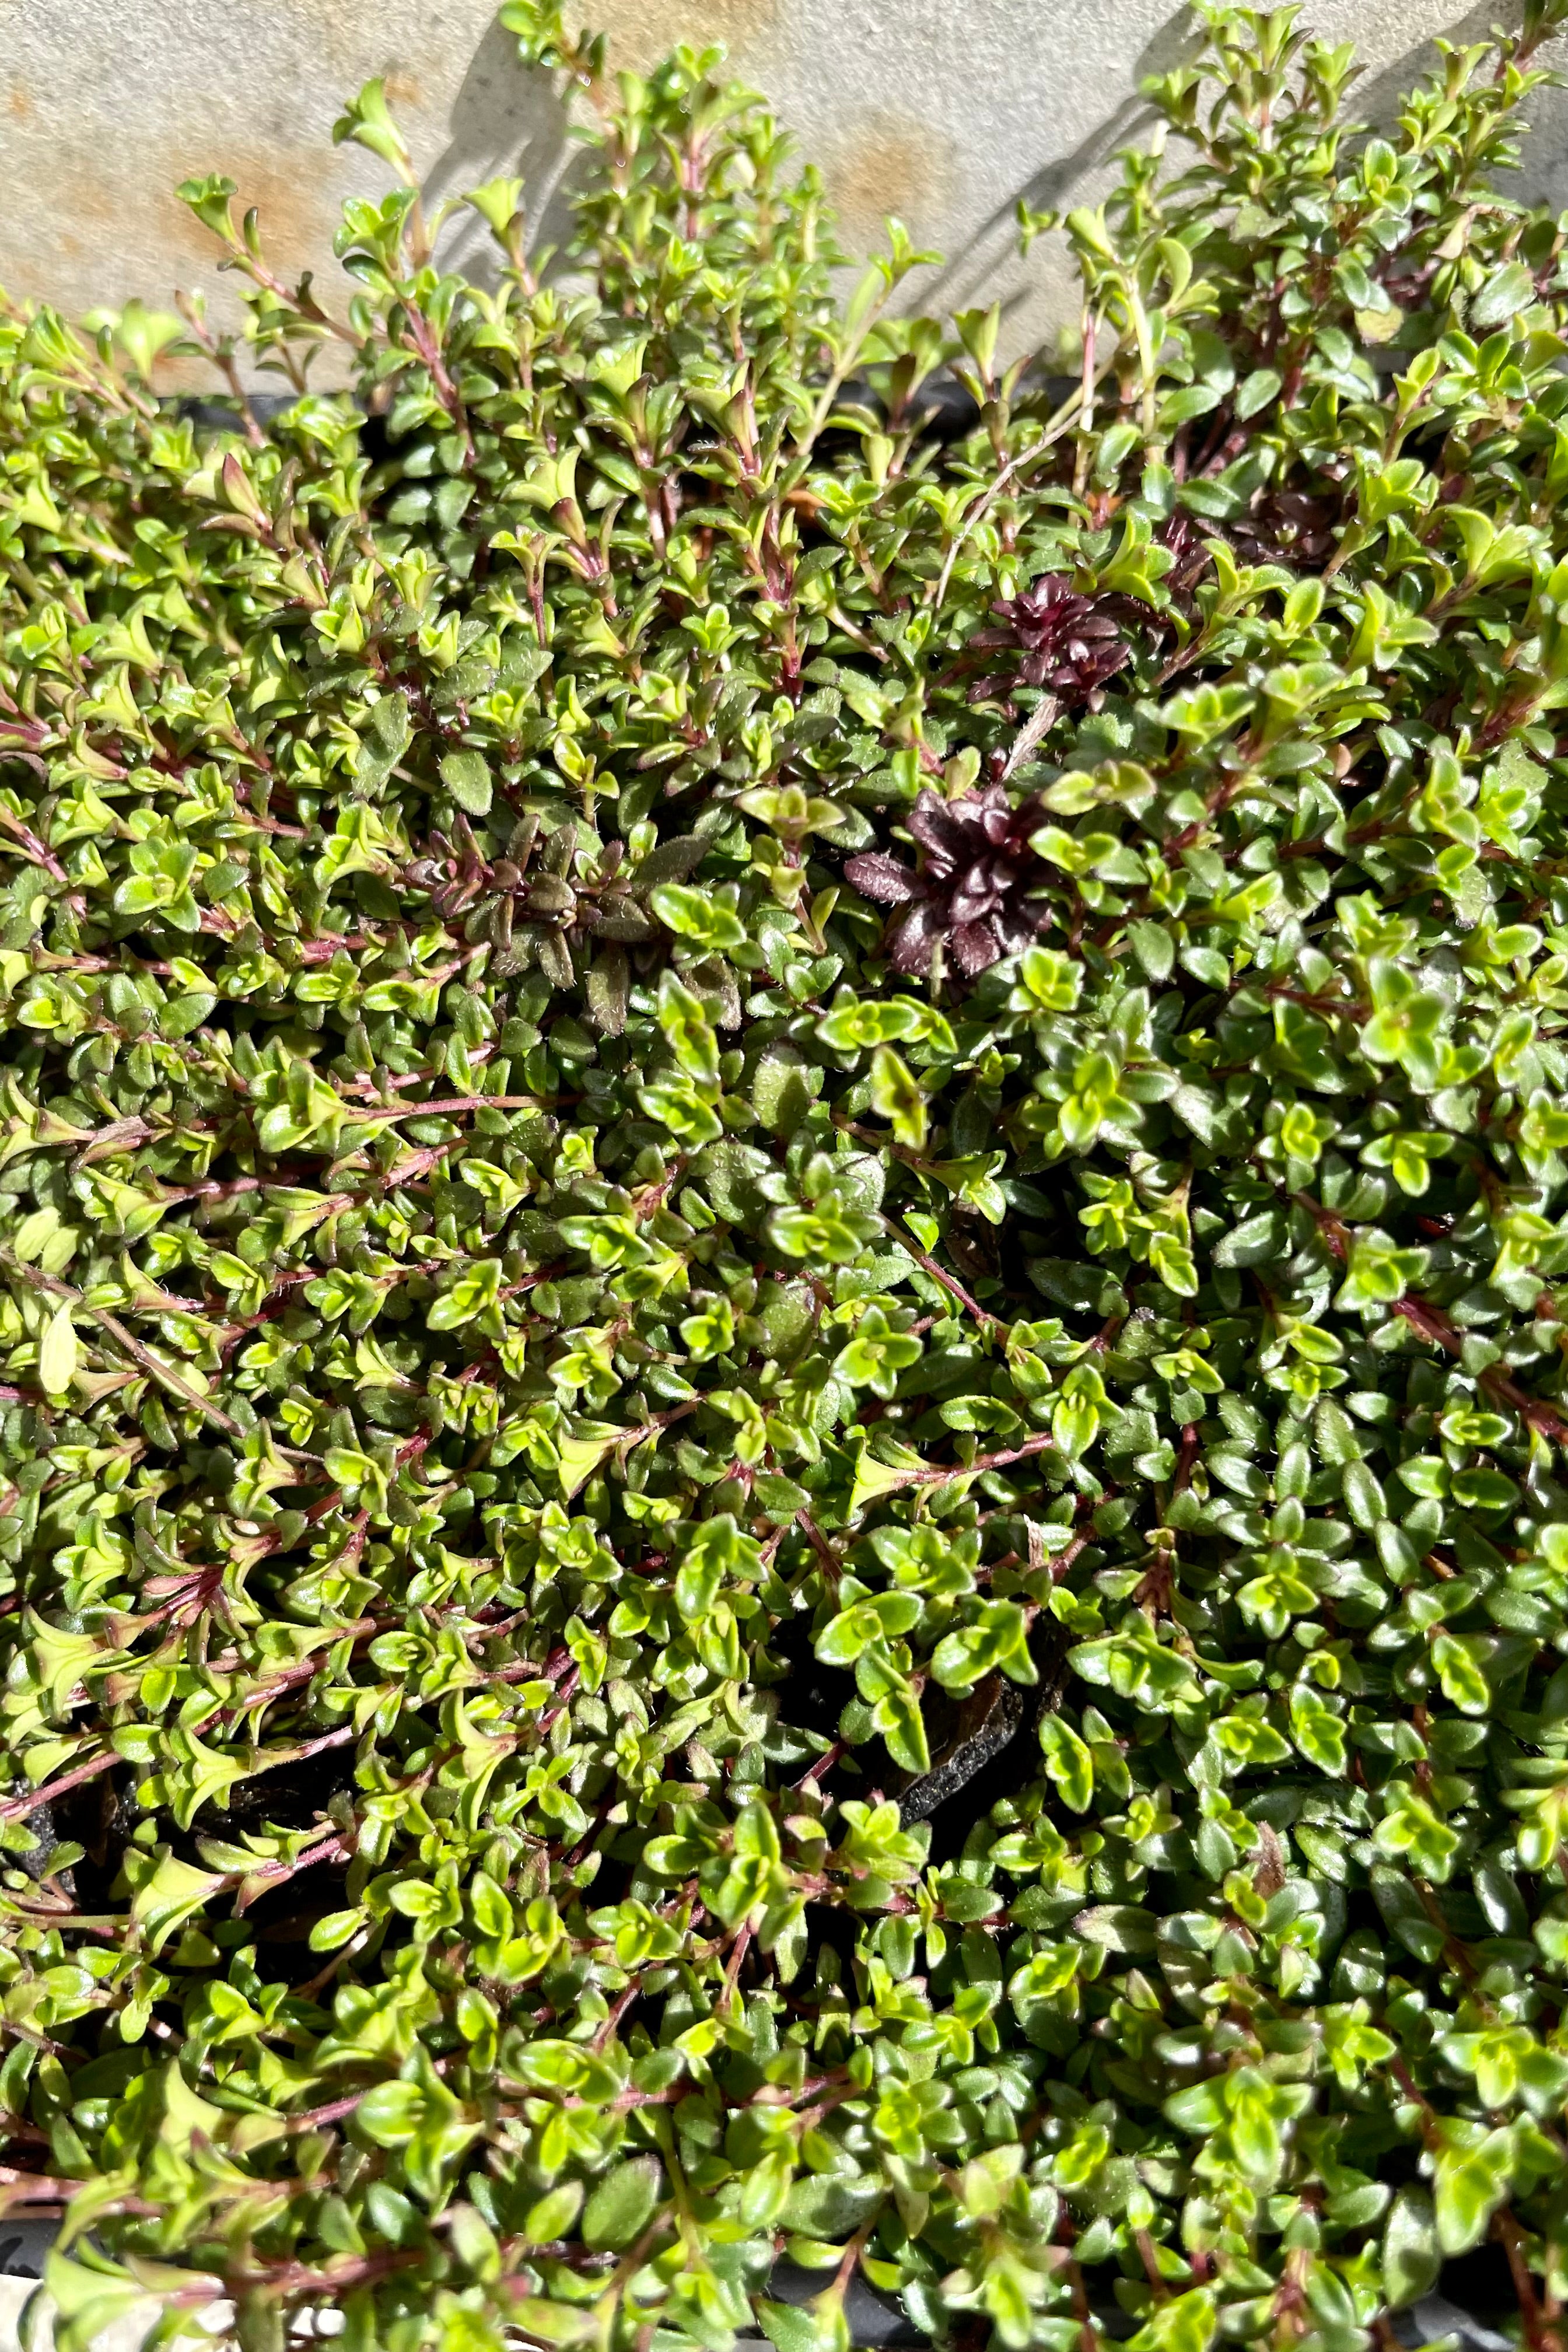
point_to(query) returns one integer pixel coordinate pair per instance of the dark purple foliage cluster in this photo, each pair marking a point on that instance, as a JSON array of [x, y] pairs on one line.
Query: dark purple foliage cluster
[[1055, 638], [971, 889]]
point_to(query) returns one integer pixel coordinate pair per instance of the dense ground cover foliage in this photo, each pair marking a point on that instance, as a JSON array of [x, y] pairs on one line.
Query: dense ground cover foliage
[[717, 1108]]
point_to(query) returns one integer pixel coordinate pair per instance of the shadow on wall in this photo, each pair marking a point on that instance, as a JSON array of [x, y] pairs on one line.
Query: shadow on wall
[[1543, 177], [987, 264], [1056, 184], [504, 120]]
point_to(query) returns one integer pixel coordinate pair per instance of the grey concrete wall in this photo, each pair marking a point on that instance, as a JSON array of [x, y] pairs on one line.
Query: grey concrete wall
[[942, 111]]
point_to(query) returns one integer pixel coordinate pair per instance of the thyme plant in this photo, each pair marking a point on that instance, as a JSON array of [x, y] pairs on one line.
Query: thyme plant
[[782, 1257]]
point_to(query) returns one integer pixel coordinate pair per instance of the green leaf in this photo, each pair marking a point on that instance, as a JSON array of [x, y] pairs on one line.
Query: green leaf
[[622, 2204], [1473, 2173], [1067, 1761], [1506, 292], [58, 1352], [897, 1717], [693, 915], [468, 779], [169, 1894]]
